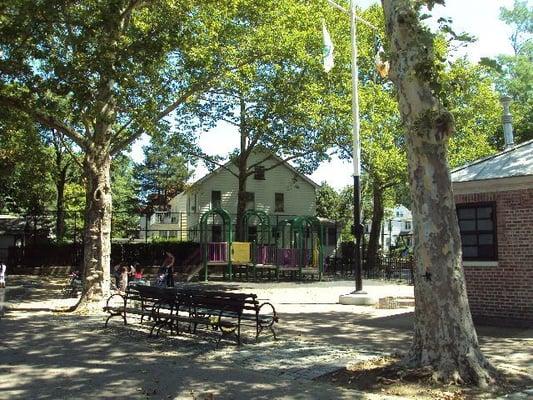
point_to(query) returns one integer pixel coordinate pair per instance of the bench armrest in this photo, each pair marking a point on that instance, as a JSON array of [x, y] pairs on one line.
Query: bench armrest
[[113, 295], [268, 320]]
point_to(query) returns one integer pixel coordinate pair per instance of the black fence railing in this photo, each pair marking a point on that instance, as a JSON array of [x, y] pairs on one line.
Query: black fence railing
[[71, 254]]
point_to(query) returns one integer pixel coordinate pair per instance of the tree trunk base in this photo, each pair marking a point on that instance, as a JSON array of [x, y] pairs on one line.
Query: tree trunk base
[[472, 370]]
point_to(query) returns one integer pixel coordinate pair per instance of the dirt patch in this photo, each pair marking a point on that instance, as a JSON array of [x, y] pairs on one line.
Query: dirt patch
[[384, 375]]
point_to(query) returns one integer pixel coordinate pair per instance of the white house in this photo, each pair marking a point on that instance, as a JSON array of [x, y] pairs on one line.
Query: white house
[[282, 192], [397, 229]]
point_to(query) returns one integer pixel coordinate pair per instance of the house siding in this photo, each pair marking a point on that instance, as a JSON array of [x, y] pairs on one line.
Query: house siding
[[299, 194], [503, 293]]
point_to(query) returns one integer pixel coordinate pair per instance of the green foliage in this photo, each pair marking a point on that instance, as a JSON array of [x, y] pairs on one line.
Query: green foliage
[[514, 73], [271, 100], [163, 173], [26, 184], [470, 97], [328, 203], [125, 203]]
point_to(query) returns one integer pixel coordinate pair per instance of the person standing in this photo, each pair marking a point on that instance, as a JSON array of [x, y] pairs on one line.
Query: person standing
[[123, 283], [168, 264], [3, 268]]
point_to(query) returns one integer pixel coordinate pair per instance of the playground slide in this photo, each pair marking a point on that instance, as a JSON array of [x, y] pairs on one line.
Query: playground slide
[[193, 265]]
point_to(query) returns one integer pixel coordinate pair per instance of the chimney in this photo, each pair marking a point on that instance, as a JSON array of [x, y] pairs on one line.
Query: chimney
[[507, 120]]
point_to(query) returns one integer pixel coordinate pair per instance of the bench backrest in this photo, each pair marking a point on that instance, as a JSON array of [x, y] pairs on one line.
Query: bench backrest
[[154, 294], [217, 300]]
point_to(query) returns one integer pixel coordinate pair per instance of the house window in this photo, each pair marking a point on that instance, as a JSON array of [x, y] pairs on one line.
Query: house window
[[193, 203], [332, 236], [216, 233], [252, 233], [250, 200], [279, 202], [216, 199], [477, 223], [259, 173], [407, 225]]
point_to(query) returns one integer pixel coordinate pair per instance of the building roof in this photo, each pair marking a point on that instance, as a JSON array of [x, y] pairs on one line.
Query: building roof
[[271, 155], [513, 162]]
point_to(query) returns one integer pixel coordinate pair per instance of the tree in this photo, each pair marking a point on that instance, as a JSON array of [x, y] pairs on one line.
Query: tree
[[468, 93], [444, 334], [327, 202], [163, 173], [125, 184], [64, 163], [270, 101], [514, 73], [25, 181], [104, 72]]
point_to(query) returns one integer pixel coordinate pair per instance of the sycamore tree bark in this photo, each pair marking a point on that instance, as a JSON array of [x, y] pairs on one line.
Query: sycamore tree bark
[[97, 230], [444, 334]]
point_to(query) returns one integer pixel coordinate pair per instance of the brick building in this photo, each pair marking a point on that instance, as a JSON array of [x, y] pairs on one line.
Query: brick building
[[494, 199]]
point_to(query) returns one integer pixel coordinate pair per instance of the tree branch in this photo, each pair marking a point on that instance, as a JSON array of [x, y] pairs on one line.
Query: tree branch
[[284, 161], [210, 160], [44, 119]]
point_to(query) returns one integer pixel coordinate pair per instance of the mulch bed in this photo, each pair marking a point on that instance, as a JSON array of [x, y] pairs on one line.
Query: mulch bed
[[385, 376]]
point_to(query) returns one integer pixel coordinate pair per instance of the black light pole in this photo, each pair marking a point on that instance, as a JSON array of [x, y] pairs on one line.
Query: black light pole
[[357, 231]]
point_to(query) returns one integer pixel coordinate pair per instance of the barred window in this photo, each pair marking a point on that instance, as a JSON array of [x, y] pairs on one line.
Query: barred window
[[477, 223]]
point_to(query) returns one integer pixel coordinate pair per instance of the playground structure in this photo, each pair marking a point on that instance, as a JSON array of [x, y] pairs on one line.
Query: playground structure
[[297, 248]]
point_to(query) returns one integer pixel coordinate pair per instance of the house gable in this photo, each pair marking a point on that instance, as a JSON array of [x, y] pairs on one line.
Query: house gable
[[299, 192]]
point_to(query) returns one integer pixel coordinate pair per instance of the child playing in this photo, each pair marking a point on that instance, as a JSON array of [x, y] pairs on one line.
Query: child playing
[[2, 274]]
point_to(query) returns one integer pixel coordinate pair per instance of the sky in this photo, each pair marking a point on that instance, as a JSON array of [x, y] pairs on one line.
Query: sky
[[476, 17]]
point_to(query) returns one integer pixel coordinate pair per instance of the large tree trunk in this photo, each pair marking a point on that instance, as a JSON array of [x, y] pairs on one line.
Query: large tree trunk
[[242, 165], [241, 199], [377, 218], [444, 334], [97, 231]]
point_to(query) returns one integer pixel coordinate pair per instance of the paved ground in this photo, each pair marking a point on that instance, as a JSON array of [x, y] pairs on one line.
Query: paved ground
[[52, 356]]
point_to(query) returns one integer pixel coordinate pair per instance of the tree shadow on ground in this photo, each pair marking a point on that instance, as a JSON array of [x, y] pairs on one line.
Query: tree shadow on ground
[[48, 356]]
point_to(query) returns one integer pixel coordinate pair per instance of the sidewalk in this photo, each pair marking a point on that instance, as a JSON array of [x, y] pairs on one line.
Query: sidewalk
[[48, 356]]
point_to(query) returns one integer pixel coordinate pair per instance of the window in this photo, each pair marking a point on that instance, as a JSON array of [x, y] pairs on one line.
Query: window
[[279, 202], [259, 173], [250, 200], [216, 233], [252, 233], [332, 236], [407, 225], [477, 223], [216, 199]]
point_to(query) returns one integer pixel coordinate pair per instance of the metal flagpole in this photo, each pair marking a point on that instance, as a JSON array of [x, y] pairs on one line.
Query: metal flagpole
[[357, 228]]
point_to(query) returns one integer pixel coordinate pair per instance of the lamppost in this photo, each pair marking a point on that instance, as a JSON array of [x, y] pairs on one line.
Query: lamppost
[[358, 296]]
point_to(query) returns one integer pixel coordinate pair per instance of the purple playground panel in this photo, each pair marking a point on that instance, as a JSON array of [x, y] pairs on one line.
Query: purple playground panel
[[288, 258], [265, 254], [217, 251]]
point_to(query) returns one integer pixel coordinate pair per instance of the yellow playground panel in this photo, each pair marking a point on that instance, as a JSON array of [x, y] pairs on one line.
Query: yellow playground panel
[[240, 252]]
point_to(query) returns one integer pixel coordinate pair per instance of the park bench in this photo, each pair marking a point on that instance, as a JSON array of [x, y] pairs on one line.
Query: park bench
[[138, 300], [223, 312]]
